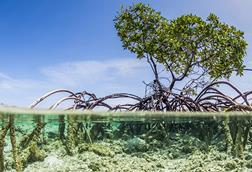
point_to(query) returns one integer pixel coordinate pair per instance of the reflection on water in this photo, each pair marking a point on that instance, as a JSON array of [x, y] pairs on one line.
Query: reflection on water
[[133, 141]]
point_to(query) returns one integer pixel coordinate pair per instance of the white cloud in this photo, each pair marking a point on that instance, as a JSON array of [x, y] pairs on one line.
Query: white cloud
[[20, 91], [10, 84], [91, 71], [101, 77], [4, 82]]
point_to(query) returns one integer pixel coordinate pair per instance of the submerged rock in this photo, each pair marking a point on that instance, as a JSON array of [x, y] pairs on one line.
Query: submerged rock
[[231, 165], [95, 166], [136, 145], [98, 149], [53, 160], [35, 154], [249, 164], [52, 135]]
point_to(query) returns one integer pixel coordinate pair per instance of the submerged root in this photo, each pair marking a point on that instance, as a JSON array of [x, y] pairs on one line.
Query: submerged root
[[227, 132], [238, 146], [71, 136], [15, 152], [10, 127], [2, 142], [34, 135]]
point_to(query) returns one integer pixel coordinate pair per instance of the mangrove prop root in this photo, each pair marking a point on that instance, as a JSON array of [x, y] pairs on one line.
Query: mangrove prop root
[[210, 99], [71, 135], [88, 134], [34, 135], [15, 153], [61, 127], [227, 132], [2, 142], [11, 128], [246, 135], [238, 147]]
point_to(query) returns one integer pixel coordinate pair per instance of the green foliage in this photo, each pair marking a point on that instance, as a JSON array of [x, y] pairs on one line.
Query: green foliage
[[137, 27], [186, 45]]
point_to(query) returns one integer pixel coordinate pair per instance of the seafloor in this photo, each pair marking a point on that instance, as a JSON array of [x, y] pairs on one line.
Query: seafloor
[[173, 151]]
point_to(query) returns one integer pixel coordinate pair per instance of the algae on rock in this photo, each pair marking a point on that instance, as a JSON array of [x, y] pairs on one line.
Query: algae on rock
[[98, 149]]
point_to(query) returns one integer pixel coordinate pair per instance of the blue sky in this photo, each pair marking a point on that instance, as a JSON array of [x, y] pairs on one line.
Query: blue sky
[[52, 44]]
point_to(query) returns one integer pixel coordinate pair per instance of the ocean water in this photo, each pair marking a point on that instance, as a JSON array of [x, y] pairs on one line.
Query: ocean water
[[41, 140]]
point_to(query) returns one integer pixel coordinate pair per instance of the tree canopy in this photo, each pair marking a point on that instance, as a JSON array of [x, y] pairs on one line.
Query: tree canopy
[[187, 47]]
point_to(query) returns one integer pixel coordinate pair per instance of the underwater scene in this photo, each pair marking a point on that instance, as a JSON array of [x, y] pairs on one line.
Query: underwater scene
[[142, 86], [51, 141]]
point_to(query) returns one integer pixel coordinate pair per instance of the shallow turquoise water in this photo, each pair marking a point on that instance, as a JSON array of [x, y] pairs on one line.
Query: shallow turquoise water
[[43, 140]]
